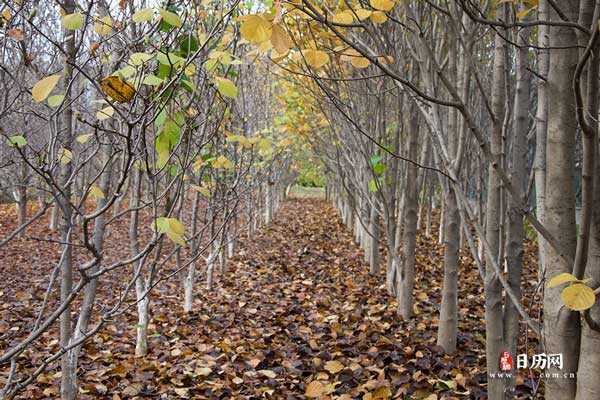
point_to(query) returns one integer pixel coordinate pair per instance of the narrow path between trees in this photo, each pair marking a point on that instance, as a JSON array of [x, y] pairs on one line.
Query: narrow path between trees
[[298, 314], [295, 314]]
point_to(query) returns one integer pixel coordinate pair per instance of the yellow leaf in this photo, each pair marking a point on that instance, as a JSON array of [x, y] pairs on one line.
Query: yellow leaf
[[176, 226], [144, 14], [378, 17], [65, 156], [315, 389], [56, 100], [171, 227], [43, 87], [383, 5], [578, 297], [170, 18], [362, 14], [197, 164], [117, 89], [140, 58], [103, 26], [105, 113], [280, 40], [125, 72], [256, 29], [190, 70], [152, 80], [277, 57], [73, 21], [264, 146], [344, 18], [316, 58], [180, 240], [222, 162], [523, 13], [226, 87], [360, 62], [6, 14], [83, 138], [560, 279], [203, 190], [386, 60], [96, 192]]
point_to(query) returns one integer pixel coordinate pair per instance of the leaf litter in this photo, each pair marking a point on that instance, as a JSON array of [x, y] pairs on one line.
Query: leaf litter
[[296, 315]]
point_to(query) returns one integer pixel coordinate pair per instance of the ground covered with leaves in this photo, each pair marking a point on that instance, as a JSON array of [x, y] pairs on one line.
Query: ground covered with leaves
[[295, 315]]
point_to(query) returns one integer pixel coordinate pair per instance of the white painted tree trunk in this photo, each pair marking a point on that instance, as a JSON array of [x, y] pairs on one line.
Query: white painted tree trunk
[[441, 227], [373, 251], [268, 203], [143, 302], [210, 267], [188, 288], [230, 245], [54, 215]]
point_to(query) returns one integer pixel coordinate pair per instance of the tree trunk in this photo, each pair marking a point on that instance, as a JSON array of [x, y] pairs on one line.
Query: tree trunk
[[22, 198], [589, 358], [518, 172], [409, 233], [493, 288], [448, 324], [141, 343], [210, 267], [268, 203], [539, 163], [190, 278], [561, 327], [68, 384], [373, 239]]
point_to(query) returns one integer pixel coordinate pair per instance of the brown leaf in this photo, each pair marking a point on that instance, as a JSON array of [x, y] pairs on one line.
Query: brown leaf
[[315, 389], [268, 373], [132, 390], [182, 392], [334, 366], [16, 34]]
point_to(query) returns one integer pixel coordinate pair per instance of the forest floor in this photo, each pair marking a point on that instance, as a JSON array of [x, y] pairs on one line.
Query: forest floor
[[295, 315]]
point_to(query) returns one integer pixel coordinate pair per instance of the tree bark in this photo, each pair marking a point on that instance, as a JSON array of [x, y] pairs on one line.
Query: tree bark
[[561, 327], [68, 385], [493, 288], [518, 173], [409, 234]]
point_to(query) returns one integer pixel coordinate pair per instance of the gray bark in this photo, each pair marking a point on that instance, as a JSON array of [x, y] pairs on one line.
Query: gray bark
[[406, 277], [493, 288], [561, 327]]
